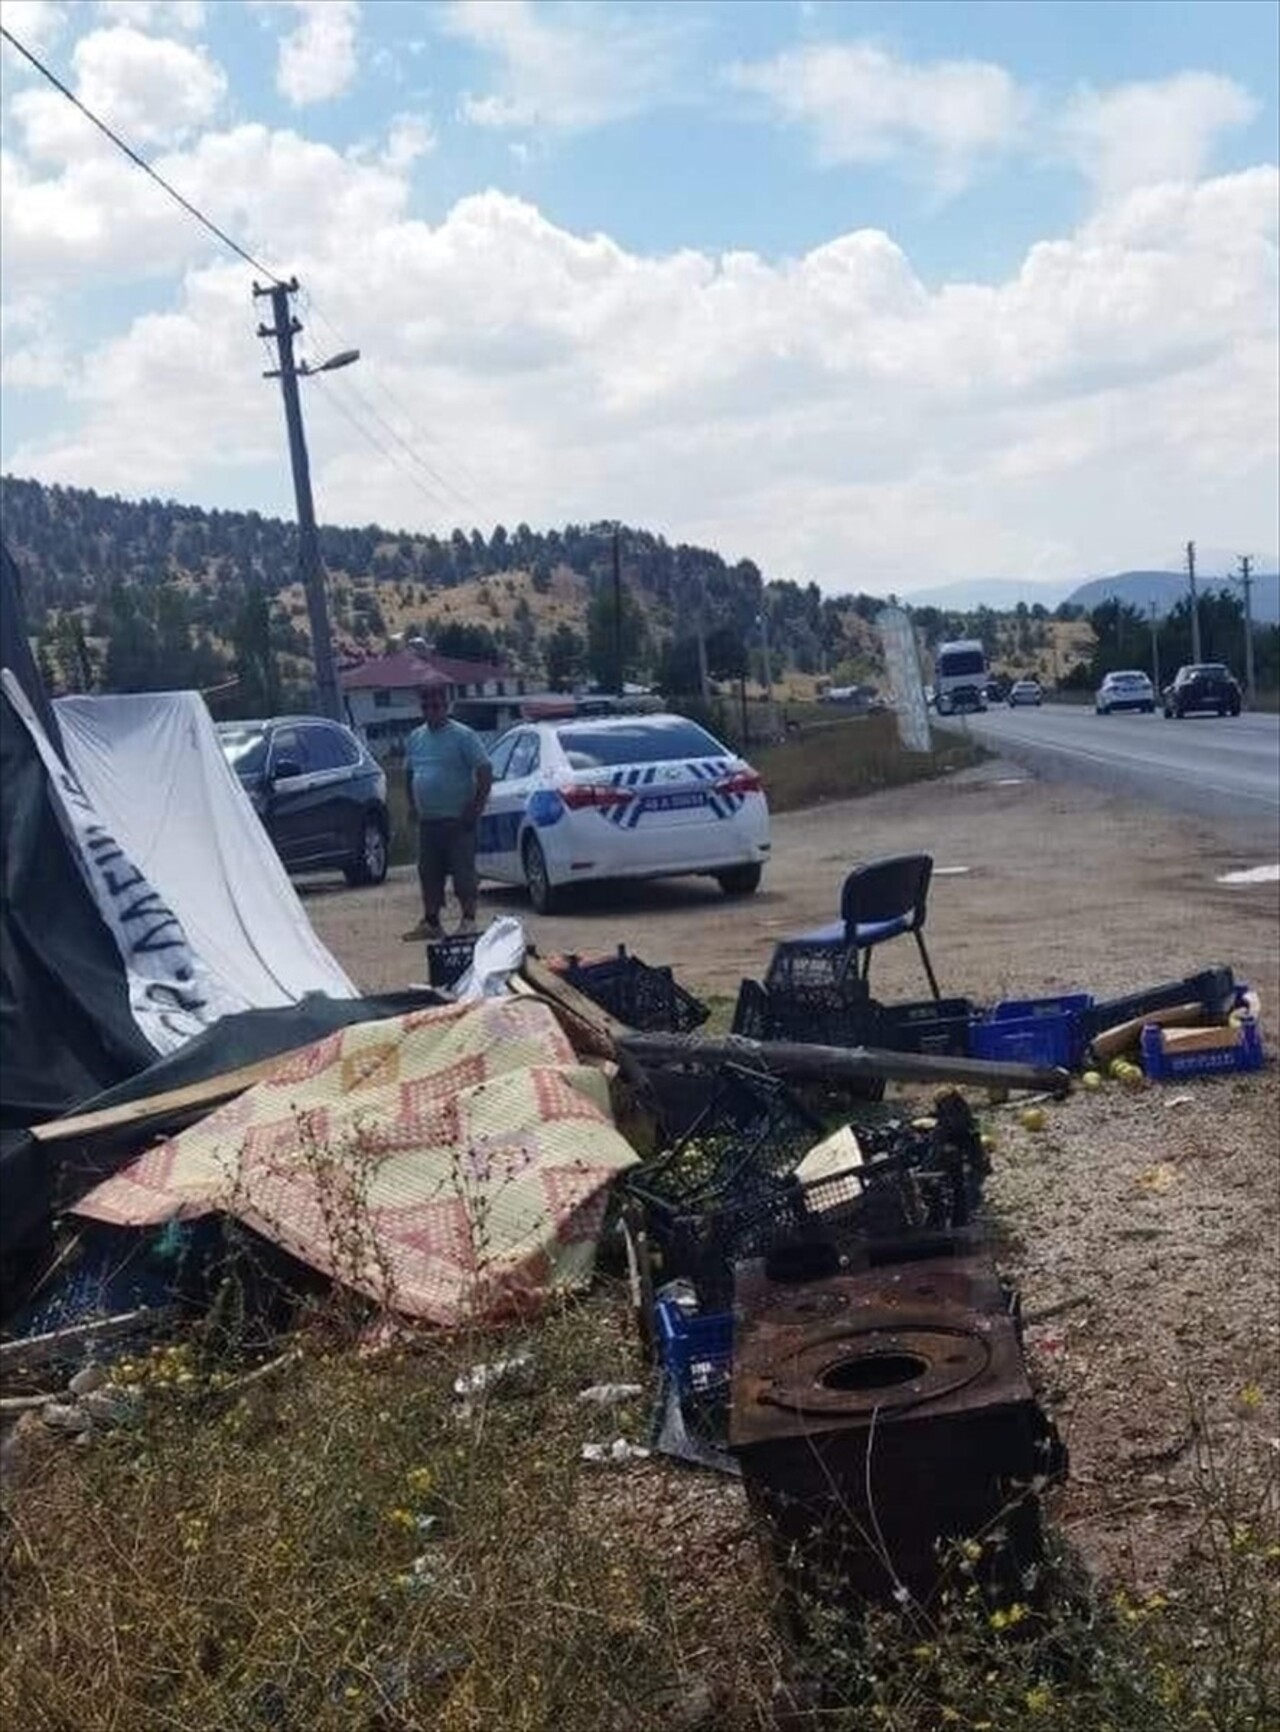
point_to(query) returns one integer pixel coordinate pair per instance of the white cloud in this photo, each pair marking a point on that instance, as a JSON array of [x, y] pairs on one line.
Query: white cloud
[[148, 88], [154, 14], [318, 57], [860, 104], [409, 138], [566, 68], [830, 415], [36, 23], [1140, 134], [99, 216]]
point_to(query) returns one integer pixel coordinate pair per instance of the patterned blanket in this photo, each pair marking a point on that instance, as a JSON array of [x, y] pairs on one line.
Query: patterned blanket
[[452, 1164]]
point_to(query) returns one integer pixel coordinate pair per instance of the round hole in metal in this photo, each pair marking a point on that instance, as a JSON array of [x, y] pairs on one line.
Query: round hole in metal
[[873, 1371]]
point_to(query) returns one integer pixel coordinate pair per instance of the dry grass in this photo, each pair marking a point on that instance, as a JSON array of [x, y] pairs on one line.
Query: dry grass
[[347, 1545], [344, 1544], [842, 759]]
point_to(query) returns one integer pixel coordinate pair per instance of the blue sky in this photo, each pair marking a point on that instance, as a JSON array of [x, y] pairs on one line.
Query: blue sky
[[874, 293]]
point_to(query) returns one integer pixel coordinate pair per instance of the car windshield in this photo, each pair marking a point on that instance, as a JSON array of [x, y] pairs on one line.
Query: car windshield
[[1215, 670], [952, 662], [1128, 679], [245, 748], [647, 742]]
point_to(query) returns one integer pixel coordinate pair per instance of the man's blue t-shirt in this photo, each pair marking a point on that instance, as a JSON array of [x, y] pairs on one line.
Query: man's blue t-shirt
[[443, 762]]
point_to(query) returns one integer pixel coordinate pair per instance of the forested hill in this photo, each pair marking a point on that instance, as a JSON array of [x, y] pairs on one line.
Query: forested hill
[[81, 553]]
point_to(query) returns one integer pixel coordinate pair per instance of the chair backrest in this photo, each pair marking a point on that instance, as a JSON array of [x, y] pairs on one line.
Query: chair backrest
[[887, 889]]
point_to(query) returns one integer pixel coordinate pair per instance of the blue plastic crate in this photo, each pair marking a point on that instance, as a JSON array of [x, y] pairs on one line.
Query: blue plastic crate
[[696, 1350], [1044, 1031], [1248, 1054]]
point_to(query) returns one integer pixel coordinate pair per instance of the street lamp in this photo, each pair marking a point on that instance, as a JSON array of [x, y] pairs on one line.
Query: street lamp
[[343, 358]]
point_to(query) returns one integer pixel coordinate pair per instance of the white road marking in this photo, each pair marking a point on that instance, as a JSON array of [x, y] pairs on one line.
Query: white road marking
[[1252, 875]]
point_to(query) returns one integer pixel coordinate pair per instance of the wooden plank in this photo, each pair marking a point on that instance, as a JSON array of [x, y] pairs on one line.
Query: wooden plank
[[841, 1064], [1201, 1039], [1113, 1041], [210, 1092], [603, 1031]]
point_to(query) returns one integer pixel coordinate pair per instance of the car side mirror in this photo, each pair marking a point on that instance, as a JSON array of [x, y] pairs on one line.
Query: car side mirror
[[285, 768]]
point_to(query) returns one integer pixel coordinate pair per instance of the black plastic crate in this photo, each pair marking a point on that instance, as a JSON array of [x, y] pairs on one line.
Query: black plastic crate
[[818, 1016], [1213, 987], [751, 1013], [448, 959], [809, 964], [752, 1131], [642, 997], [926, 1025]]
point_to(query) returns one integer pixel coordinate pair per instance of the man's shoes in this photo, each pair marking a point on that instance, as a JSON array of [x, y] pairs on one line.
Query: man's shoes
[[425, 932], [467, 927]]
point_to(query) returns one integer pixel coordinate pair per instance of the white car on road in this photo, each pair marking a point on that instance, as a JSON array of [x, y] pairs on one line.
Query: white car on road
[[652, 796], [1130, 689]]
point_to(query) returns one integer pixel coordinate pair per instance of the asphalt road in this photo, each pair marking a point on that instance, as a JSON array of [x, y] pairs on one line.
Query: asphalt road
[[1218, 766]]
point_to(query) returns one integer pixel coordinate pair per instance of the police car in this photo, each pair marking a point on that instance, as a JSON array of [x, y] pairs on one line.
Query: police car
[[651, 796]]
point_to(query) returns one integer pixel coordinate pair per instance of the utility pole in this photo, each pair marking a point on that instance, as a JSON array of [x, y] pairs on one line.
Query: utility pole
[[704, 680], [284, 330], [764, 648], [617, 607], [1155, 649], [1245, 581], [1195, 605]]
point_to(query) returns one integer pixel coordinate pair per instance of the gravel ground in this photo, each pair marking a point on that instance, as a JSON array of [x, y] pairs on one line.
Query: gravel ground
[[1153, 1216]]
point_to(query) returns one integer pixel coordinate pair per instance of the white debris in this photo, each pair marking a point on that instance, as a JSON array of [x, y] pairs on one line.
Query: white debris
[[609, 1394]]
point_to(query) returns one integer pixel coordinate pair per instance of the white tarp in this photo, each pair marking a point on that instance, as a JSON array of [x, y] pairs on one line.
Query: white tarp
[[151, 768], [902, 663], [172, 993]]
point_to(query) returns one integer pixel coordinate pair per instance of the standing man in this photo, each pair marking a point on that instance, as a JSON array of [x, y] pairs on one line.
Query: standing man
[[448, 778]]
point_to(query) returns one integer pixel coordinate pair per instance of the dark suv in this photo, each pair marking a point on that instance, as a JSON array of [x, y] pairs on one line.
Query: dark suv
[[317, 789], [1202, 686]]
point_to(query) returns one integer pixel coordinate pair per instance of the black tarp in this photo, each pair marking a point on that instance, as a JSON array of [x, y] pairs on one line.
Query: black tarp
[[66, 1031], [68, 1041]]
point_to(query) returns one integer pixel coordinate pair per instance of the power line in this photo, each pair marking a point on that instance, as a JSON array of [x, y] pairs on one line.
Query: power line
[[134, 158], [458, 493], [436, 502]]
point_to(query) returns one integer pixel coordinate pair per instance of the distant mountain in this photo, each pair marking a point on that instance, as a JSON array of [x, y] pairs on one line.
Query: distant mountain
[[1166, 588], [998, 593]]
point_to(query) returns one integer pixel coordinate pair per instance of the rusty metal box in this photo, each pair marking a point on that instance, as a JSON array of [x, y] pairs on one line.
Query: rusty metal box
[[881, 1416]]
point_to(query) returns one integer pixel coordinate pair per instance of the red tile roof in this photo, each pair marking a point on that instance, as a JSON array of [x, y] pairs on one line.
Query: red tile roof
[[406, 669]]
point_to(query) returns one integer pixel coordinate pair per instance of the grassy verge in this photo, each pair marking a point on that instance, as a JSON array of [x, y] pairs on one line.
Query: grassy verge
[[345, 1545], [847, 758]]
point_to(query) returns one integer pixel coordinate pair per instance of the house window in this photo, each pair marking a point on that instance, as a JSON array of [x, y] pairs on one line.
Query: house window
[[382, 700], [502, 688]]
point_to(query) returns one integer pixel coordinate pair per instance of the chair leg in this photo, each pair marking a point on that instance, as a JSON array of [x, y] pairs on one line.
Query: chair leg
[[928, 966]]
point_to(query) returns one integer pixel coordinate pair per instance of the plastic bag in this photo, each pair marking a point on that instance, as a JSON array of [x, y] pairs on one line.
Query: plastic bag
[[498, 954]]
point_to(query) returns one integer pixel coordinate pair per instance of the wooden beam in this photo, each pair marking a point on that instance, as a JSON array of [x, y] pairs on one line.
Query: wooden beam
[[172, 1103], [1113, 1041], [602, 1032], [841, 1064]]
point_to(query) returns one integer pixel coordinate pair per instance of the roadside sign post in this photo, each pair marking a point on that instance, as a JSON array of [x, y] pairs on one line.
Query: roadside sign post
[[902, 663]]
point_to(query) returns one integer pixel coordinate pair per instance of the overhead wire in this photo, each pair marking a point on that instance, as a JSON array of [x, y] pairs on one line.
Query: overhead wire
[[459, 493], [139, 161], [334, 401], [441, 481]]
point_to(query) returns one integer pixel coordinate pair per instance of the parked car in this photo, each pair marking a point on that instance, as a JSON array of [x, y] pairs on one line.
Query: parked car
[[1127, 690], [651, 796], [320, 793], [1202, 686], [1025, 692]]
